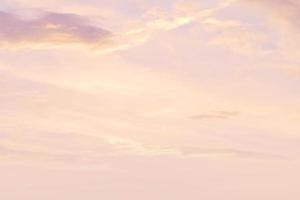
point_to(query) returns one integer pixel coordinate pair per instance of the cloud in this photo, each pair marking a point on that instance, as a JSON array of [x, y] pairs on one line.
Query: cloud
[[157, 20], [131, 147], [235, 35], [109, 146], [59, 29], [53, 29], [50, 29], [284, 17], [10, 153], [217, 115], [227, 152], [285, 10]]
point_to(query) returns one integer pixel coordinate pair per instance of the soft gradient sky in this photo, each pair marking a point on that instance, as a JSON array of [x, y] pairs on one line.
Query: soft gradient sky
[[149, 99]]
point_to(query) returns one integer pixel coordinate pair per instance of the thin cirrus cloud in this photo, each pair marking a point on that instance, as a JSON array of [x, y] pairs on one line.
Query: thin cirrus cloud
[[216, 115], [51, 29], [13, 153], [118, 147]]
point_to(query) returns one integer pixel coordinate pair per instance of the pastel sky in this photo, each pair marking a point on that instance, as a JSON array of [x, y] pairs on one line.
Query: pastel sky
[[149, 99]]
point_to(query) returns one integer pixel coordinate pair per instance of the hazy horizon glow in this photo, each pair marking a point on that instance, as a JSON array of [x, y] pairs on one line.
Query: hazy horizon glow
[[149, 99]]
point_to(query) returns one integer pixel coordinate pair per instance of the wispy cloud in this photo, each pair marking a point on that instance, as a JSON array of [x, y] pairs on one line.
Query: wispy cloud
[[228, 153], [237, 36], [285, 10], [131, 147], [109, 146], [215, 115], [284, 17]]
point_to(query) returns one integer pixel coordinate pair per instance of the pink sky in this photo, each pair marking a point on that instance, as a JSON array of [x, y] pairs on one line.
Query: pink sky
[[149, 99]]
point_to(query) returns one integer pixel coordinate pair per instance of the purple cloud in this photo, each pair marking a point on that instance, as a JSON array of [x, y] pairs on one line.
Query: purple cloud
[[57, 28], [288, 9]]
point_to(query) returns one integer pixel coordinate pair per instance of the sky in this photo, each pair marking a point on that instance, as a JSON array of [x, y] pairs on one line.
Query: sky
[[149, 99]]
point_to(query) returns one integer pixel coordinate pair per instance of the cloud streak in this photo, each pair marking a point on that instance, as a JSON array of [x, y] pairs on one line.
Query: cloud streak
[[118, 147], [217, 115]]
